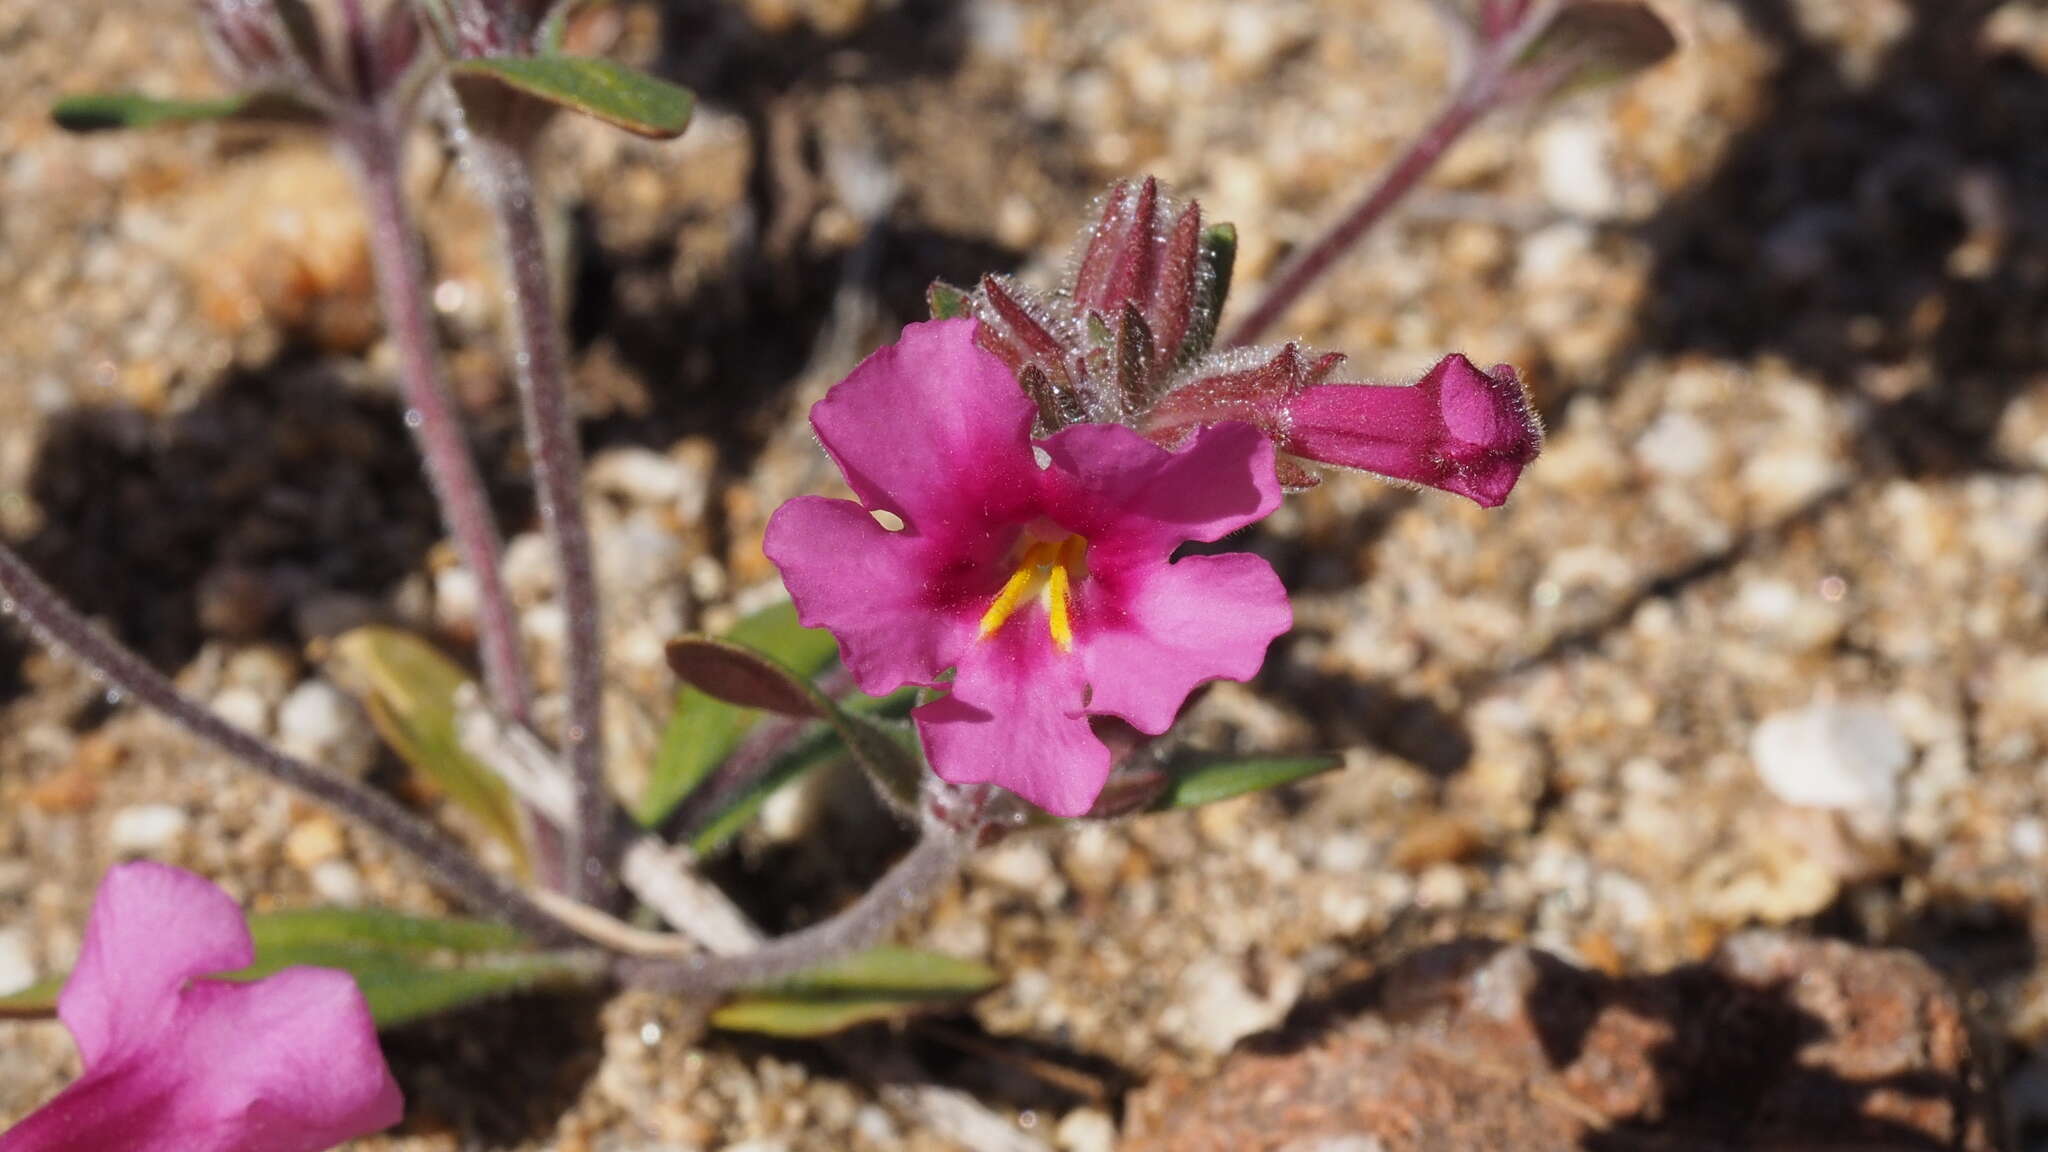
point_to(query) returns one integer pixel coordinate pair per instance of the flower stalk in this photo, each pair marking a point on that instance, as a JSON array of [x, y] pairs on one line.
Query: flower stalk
[[497, 160], [904, 889], [373, 148], [57, 624]]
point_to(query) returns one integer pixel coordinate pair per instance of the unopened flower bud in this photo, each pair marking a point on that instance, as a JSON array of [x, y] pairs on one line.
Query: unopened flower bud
[[1459, 429], [331, 54]]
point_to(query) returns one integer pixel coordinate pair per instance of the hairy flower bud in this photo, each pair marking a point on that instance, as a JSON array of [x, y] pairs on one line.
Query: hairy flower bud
[[331, 54], [1139, 302], [1458, 428]]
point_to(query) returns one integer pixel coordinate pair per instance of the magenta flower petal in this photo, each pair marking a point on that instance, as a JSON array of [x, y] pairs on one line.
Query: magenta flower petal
[[1047, 589], [1114, 486], [1199, 619], [153, 928], [175, 1062], [870, 587], [1014, 718], [1458, 429], [932, 428]]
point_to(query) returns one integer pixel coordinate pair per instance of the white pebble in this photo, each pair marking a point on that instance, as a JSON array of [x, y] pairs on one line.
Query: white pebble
[[456, 600], [1086, 1130], [321, 723], [1678, 446], [245, 708], [529, 568], [338, 882], [17, 966], [1573, 169], [637, 475], [1216, 1010], [1842, 756], [147, 829]]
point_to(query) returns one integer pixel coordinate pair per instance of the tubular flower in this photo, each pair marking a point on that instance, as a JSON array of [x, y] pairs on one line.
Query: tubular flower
[[1458, 428], [175, 1062], [1040, 573]]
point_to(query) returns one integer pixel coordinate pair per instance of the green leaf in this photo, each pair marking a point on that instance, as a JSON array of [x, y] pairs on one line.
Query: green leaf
[[1209, 780], [631, 100], [408, 967], [386, 931], [880, 984], [104, 111], [1217, 259], [409, 688], [948, 302], [703, 731]]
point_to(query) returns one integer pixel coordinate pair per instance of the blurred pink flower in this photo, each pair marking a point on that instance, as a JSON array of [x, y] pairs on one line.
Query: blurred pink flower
[[175, 1062], [1040, 572]]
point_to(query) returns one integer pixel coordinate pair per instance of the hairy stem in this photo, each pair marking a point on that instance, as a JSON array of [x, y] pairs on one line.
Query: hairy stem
[[54, 622], [499, 166], [906, 887], [373, 149]]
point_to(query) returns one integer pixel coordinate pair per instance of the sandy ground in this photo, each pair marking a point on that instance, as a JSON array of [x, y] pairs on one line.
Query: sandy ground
[[1781, 302]]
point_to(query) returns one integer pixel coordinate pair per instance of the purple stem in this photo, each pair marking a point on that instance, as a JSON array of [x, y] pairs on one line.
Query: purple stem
[[373, 148], [502, 174], [55, 623], [906, 887]]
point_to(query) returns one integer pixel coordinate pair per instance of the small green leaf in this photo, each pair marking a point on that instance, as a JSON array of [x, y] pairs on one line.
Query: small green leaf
[[409, 688], [408, 967], [1217, 259], [103, 111], [703, 731], [385, 931], [881, 984], [1208, 780], [631, 100], [948, 302]]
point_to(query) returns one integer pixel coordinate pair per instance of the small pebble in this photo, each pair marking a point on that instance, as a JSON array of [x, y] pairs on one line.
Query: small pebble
[[147, 829], [1086, 1130], [1844, 756], [321, 723], [17, 965], [338, 882]]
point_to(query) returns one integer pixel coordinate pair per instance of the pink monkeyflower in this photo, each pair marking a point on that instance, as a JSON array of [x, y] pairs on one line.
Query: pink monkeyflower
[[1458, 428], [1040, 572], [175, 1062]]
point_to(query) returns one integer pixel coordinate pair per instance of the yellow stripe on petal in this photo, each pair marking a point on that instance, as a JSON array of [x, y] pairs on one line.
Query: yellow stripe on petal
[[1047, 569], [1056, 592], [1023, 582]]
